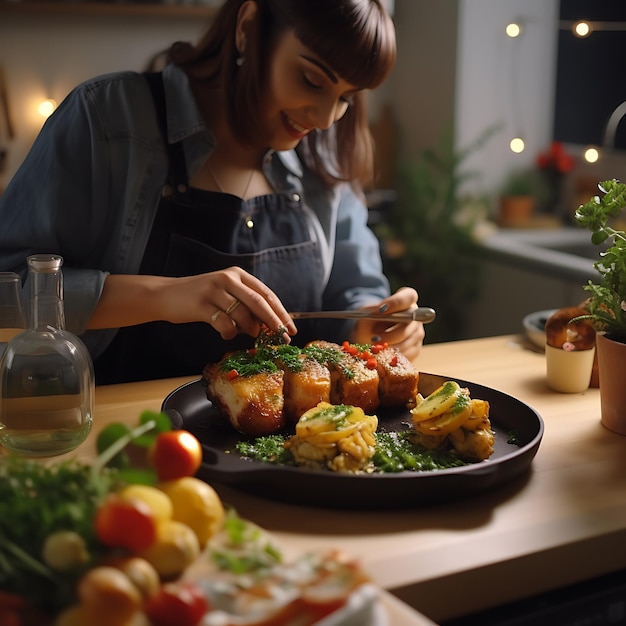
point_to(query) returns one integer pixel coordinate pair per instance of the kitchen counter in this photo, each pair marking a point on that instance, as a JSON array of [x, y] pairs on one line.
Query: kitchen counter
[[521, 271], [566, 253], [561, 523]]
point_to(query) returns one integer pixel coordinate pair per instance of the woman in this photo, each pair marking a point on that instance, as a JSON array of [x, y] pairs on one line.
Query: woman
[[194, 205]]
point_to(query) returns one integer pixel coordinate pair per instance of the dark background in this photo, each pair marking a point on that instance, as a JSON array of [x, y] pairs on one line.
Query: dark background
[[591, 74]]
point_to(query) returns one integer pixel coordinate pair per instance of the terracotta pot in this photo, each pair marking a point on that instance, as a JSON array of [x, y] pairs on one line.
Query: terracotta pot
[[612, 375], [516, 210]]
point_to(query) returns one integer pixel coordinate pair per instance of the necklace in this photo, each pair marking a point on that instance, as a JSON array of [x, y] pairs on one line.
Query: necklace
[[219, 186]]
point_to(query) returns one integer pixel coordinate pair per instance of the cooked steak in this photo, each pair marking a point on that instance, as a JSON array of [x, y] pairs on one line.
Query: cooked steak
[[352, 382], [253, 404], [260, 390]]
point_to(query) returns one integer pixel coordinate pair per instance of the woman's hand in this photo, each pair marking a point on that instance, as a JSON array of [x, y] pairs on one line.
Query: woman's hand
[[231, 300], [407, 338]]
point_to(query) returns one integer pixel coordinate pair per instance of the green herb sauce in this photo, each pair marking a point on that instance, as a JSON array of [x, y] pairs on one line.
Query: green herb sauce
[[337, 415], [394, 453], [269, 449], [462, 402]]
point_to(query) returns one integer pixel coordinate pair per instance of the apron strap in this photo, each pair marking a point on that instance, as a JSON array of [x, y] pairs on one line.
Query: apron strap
[[178, 168]]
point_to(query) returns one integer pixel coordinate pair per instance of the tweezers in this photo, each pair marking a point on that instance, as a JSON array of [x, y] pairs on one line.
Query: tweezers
[[420, 314]]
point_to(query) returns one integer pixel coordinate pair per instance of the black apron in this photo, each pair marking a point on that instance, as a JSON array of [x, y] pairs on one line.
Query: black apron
[[197, 231]]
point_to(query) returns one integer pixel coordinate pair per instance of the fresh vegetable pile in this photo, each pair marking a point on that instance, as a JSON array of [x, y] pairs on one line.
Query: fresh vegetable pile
[[146, 543], [93, 543]]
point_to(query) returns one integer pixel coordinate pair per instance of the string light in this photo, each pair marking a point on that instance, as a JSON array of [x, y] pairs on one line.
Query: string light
[[517, 145], [46, 107], [591, 154], [582, 29], [513, 29]]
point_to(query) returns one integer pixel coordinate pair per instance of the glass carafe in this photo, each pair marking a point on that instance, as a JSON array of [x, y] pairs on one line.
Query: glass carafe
[[12, 319], [46, 373]]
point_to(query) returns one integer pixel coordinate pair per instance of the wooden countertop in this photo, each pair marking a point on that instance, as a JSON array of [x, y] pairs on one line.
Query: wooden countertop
[[564, 522]]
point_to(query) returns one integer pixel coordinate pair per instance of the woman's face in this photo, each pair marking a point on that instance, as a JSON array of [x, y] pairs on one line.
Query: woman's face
[[302, 94]]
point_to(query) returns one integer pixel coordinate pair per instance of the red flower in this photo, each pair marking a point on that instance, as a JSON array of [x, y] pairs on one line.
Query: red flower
[[556, 159]]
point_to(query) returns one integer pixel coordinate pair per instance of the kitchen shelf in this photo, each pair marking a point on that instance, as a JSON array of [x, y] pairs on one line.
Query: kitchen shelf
[[146, 9]]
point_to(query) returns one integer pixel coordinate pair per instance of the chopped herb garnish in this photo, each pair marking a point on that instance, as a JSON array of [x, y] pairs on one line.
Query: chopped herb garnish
[[270, 449], [513, 438], [394, 453], [247, 550], [248, 363]]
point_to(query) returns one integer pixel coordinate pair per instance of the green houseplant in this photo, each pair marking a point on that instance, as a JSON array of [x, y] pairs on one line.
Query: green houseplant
[[521, 192], [607, 301], [427, 234]]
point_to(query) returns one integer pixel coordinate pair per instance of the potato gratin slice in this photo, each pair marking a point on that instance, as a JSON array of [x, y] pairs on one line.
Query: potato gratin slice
[[340, 437], [450, 415]]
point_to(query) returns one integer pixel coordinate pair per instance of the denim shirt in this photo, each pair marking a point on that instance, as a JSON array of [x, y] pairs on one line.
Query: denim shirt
[[90, 186]]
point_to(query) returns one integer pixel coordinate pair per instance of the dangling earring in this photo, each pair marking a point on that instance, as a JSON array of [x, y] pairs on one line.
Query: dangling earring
[[239, 61]]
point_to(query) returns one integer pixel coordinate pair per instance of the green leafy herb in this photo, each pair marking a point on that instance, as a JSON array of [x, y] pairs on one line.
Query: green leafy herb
[[247, 548], [38, 499], [607, 304]]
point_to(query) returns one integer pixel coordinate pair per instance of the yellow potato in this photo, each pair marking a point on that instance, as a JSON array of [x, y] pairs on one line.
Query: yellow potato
[[196, 504], [175, 548], [107, 593], [327, 417], [437, 403], [159, 502], [141, 573], [450, 420]]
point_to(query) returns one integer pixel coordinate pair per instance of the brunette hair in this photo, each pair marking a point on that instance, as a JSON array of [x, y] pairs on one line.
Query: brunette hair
[[355, 38]]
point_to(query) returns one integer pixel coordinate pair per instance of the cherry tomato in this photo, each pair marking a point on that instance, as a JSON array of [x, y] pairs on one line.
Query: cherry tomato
[[371, 363], [175, 454], [122, 523], [177, 604]]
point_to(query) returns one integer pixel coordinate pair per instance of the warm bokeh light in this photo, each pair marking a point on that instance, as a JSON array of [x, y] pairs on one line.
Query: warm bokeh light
[[582, 29], [591, 155], [513, 29], [47, 107], [517, 145]]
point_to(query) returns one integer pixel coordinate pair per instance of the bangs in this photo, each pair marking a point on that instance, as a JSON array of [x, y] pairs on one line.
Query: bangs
[[355, 38]]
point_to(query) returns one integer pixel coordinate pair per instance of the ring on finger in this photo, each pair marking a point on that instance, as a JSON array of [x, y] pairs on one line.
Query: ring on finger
[[216, 315], [232, 307]]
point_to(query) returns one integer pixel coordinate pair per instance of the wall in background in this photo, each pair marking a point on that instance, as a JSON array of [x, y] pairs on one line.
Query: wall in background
[[505, 81], [45, 56], [421, 90], [455, 66]]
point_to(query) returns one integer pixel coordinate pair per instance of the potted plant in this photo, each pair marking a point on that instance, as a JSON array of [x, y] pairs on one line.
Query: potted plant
[[427, 234], [607, 301], [520, 192], [554, 164]]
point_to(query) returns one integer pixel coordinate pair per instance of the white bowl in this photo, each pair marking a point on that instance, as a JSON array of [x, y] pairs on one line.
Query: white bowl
[[534, 327]]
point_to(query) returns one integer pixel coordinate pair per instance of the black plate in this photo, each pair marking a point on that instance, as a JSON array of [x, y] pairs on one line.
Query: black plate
[[189, 408]]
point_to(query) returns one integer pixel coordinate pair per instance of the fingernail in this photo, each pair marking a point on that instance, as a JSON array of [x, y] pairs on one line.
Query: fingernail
[[383, 308], [375, 338], [285, 338]]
